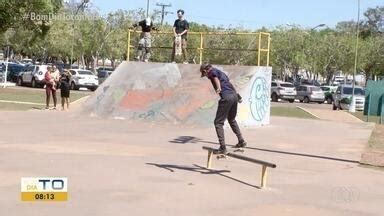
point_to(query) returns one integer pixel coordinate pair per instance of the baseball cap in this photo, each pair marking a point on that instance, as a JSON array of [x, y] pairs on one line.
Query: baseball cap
[[204, 66]]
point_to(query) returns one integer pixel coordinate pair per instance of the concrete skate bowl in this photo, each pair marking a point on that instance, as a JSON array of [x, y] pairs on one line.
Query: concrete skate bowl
[[172, 93]]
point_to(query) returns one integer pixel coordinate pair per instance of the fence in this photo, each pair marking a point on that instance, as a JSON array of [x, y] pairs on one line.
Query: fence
[[247, 48]]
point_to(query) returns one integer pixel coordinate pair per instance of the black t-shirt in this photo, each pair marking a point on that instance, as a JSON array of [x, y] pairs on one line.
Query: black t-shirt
[[180, 26], [65, 80], [144, 26]]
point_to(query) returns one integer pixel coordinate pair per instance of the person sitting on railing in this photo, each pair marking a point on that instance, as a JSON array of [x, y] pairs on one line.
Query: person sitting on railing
[[145, 42], [180, 29]]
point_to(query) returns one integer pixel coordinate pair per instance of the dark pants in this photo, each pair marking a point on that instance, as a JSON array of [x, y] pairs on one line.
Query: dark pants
[[227, 109], [48, 91]]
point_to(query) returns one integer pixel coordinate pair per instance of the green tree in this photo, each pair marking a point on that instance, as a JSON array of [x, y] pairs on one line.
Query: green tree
[[16, 14], [371, 56]]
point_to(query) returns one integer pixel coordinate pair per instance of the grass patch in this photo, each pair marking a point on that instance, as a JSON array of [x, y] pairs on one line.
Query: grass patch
[[360, 115], [376, 141], [374, 154], [30, 95], [292, 112]]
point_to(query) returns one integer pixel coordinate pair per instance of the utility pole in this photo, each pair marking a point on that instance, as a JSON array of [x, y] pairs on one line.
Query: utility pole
[[163, 12], [352, 105]]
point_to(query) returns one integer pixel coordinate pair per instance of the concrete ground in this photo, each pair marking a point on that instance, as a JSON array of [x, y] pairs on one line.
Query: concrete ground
[[117, 167]]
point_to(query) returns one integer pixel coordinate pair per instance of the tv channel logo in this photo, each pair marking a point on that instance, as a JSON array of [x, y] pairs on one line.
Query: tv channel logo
[[44, 189]]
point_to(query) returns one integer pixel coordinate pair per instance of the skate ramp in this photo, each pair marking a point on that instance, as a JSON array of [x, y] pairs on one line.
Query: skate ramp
[[165, 92]]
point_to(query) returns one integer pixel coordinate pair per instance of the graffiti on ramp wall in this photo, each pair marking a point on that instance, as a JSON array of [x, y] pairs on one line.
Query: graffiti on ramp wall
[[255, 109], [259, 98], [176, 93]]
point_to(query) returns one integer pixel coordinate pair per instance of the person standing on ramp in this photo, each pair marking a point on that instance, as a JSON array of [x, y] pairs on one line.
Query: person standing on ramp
[[180, 31], [227, 108], [145, 42]]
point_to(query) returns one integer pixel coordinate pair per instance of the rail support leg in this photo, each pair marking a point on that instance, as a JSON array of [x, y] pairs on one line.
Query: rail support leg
[[263, 176], [209, 161]]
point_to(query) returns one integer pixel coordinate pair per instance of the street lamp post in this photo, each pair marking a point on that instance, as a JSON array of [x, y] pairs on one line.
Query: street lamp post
[[305, 32], [147, 8], [352, 106], [302, 40], [318, 26]]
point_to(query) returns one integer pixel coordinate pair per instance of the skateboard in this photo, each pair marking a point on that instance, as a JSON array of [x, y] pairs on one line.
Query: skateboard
[[224, 156], [221, 156], [240, 150], [178, 50]]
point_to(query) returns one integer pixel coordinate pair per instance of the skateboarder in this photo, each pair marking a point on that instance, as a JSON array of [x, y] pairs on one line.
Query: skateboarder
[[180, 30], [227, 108], [145, 42]]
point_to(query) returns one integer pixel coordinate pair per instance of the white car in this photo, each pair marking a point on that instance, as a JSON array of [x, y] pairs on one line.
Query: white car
[[309, 93], [343, 97], [83, 79], [283, 91], [33, 75]]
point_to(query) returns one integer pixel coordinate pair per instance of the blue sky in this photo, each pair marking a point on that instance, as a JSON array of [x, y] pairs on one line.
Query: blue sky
[[252, 13]]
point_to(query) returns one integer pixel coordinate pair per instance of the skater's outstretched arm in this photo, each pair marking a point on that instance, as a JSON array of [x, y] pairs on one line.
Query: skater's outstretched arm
[[216, 84]]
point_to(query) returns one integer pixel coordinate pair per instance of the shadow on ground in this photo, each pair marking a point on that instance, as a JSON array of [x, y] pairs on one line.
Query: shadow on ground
[[191, 139], [201, 170]]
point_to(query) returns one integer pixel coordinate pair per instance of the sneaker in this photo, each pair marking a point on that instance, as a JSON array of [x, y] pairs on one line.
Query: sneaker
[[241, 144], [220, 151]]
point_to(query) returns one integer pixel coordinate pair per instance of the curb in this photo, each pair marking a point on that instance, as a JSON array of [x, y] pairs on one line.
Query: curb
[[307, 111], [355, 117], [80, 100]]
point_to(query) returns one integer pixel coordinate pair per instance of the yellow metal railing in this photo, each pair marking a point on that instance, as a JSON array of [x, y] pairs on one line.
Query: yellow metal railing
[[261, 38]]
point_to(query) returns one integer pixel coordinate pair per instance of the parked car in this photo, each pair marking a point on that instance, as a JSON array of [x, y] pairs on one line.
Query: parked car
[[343, 97], [13, 71], [83, 79], [328, 93], [33, 75], [27, 61], [300, 82], [104, 69], [283, 90], [2, 72], [339, 80], [310, 93], [61, 66], [103, 75], [310, 82]]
